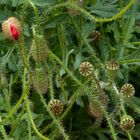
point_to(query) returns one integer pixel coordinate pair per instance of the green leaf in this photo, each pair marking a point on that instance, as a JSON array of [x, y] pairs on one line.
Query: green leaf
[[79, 102], [44, 3], [104, 9], [78, 60], [129, 25]]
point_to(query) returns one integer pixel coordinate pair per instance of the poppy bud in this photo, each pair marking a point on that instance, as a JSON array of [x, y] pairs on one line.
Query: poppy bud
[[39, 53], [11, 28], [94, 110], [40, 80], [3, 80]]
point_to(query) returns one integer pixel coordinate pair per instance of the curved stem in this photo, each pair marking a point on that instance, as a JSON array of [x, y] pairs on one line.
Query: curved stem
[[10, 114], [32, 122], [2, 129], [56, 122], [37, 16], [72, 101], [129, 135], [91, 17], [136, 43]]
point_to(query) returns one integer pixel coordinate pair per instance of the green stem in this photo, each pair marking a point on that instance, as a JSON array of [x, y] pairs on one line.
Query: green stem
[[91, 50], [110, 125], [16, 122], [37, 16], [2, 129], [21, 43], [57, 71], [120, 98], [29, 130], [56, 122], [50, 81], [7, 99], [91, 17], [72, 101], [129, 135], [10, 114], [53, 56], [135, 43], [32, 122], [26, 87]]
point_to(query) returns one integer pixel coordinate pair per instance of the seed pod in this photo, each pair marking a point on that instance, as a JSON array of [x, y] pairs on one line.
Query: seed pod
[[86, 69], [127, 123], [40, 80], [39, 50], [127, 90], [56, 107], [95, 36], [72, 11], [112, 68], [11, 28]]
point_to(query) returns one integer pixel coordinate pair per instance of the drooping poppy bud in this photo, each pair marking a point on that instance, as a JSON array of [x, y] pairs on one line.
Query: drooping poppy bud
[[94, 110], [39, 53], [40, 81], [3, 80], [11, 28]]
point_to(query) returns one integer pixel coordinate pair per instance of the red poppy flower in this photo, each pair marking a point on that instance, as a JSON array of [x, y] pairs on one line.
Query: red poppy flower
[[11, 28]]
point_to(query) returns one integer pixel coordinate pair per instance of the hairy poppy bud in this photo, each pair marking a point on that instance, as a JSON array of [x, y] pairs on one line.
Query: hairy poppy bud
[[3, 81], [94, 110], [11, 28], [39, 50], [40, 80]]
